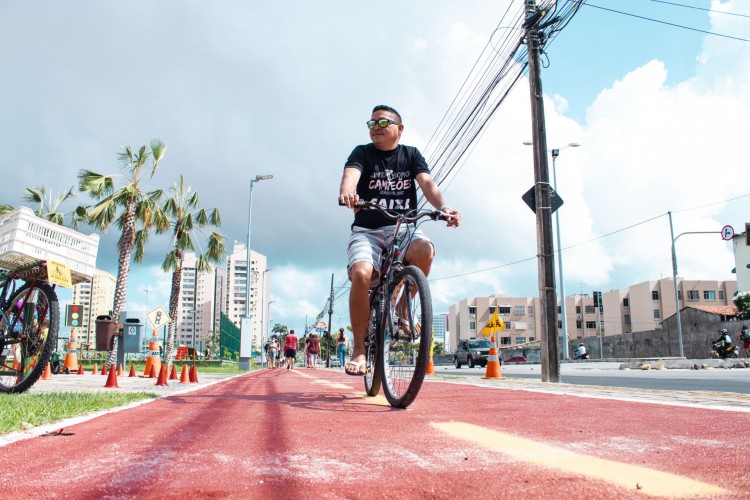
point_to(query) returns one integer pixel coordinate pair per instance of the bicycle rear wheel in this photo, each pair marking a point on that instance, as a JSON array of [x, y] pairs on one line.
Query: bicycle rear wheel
[[28, 336], [407, 335], [374, 368]]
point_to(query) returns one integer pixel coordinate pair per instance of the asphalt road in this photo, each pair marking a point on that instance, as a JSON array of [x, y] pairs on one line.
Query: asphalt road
[[313, 434], [609, 375]]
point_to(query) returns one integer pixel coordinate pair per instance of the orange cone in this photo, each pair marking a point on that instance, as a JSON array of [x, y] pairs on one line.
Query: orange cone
[[47, 375], [162, 380], [71, 358], [95, 371], [430, 367], [104, 368], [184, 377], [153, 358], [132, 371], [173, 375], [493, 362], [80, 370], [193, 375], [152, 372], [111, 378], [119, 369]]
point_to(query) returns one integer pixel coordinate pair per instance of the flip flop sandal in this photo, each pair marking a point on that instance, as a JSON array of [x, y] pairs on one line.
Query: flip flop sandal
[[360, 368], [403, 330]]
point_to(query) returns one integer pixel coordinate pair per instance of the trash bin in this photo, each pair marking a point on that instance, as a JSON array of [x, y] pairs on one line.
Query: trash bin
[[106, 330], [132, 335]]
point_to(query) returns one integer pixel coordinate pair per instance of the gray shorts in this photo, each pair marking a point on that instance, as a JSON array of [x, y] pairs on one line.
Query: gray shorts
[[369, 245]]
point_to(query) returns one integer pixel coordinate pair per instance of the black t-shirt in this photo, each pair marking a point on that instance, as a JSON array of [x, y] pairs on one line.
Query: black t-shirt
[[388, 178]]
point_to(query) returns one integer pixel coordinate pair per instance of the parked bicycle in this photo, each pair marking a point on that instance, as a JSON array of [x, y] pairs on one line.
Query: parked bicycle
[[399, 335], [29, 323]]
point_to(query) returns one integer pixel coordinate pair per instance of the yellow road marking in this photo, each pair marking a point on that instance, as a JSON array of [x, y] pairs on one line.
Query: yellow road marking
[[649, 481], [335, 385], [374, 400]]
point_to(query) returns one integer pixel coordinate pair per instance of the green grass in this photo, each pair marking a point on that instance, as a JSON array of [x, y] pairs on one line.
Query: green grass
[[19, 410]]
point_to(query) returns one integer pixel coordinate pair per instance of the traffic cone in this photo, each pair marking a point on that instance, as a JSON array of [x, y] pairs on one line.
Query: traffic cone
[[71, 358], [162, 380], [193, 375], [47, 375], [104, 368], [95, 371], [119, 369], [132, 371], [152, 372], [430, 364], [493, 362], [153, 358], [80, 370], [111, 378], [184, 377], [173, 375]]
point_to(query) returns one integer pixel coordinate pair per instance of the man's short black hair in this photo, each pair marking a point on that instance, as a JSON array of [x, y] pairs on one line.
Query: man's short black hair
[[383, 107]]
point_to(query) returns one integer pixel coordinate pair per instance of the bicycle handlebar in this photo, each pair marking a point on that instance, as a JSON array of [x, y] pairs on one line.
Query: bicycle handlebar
[[418, 214]]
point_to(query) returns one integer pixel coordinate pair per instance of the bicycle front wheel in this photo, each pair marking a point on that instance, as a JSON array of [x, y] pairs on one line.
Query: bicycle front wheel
[[28, 335], [407, 335]]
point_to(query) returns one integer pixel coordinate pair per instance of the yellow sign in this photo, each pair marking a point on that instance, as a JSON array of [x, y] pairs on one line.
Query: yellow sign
[[59, 274], [494, 325], [158, 317]]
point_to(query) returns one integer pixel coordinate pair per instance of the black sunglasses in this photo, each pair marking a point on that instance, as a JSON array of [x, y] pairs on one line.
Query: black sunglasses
[[382, 123]]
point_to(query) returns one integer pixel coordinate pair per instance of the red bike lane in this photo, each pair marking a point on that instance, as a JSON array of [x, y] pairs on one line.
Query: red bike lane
[[313, 433]]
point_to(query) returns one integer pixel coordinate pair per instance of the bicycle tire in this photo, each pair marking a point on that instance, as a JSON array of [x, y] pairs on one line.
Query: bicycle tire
[[23, 362], [405, 346], [373, 376]]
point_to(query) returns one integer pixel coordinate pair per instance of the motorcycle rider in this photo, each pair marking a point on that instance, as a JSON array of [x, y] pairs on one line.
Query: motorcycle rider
[[724, 342], [581, 351]]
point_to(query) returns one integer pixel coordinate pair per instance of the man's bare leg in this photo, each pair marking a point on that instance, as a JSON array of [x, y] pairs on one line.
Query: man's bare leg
[[421, 253], [359, 307]]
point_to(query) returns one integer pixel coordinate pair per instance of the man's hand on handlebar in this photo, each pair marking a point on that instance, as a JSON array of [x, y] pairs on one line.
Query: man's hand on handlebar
[[349, 200], [453, 216]]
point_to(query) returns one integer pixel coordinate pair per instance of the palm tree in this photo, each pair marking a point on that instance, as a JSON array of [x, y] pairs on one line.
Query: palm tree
[[182, 213], [49, 205], [135, 207]]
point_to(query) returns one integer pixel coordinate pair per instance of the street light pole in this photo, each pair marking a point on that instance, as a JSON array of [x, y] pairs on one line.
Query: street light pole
[[246, 330], [263, 306], [563, 309], [674, 278]]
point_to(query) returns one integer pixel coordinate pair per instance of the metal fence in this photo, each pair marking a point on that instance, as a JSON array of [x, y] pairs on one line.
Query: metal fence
[[229, 339]]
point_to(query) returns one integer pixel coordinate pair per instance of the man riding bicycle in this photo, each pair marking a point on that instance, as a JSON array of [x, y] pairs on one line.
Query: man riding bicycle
[[386, 173]]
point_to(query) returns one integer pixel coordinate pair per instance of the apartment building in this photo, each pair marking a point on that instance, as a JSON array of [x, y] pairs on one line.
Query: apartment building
[[196, 304], [440, 327], [97, 297], [640, 307], [235, 289]]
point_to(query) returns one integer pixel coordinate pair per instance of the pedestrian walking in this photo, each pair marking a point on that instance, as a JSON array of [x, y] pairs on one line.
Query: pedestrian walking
[[341, 348], [290, 349], [313, 350], [273, 352]]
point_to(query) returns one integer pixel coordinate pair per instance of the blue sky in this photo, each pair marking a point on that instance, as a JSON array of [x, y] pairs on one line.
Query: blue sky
[[238, 89]]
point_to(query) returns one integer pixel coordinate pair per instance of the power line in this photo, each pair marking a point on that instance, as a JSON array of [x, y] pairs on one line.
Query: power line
[[660, 21], [701, 8]]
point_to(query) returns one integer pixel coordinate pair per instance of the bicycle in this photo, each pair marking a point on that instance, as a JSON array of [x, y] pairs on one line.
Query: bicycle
[[29, 323], [399, 334]]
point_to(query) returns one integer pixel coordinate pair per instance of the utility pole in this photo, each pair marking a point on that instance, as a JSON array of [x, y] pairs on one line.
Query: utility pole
[[545, 252], [328, 335]]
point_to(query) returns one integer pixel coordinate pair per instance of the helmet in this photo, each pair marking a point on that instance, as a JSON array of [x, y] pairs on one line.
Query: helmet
[[724, 331], [581, 343]]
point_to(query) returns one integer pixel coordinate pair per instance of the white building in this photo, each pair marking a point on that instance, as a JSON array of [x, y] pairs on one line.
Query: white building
[[97, 297], [236, 281]]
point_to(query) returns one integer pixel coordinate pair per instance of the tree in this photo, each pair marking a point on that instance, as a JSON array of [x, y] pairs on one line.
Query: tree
[[49, 206], [129, 207], [213, 341], [742, 302], [280, 329], [182, 213]]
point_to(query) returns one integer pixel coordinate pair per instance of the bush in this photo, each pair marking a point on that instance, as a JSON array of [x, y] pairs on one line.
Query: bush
[[742, 302]]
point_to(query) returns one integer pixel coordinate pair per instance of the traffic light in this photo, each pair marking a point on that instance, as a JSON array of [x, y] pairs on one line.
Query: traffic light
[[73, 315]]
